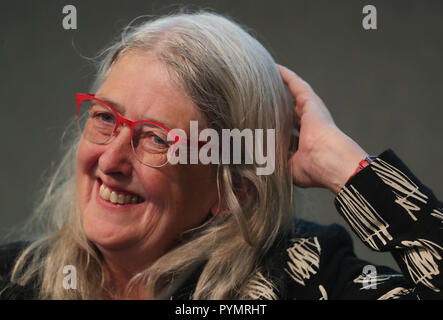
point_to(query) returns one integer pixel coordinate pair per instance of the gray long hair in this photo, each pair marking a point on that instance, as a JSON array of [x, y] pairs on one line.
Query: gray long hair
[[236, 84]]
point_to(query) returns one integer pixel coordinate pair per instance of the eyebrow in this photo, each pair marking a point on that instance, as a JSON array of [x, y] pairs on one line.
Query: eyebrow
[[121, 110], [118, 107]]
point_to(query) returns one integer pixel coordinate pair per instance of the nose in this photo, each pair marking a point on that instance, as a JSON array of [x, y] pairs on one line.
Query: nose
[[117, 157]]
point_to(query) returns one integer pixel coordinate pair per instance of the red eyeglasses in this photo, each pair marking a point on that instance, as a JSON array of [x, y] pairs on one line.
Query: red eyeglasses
[[99, 122]]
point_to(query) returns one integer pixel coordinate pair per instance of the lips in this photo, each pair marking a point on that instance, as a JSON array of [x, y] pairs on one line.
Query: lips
[[118, 197]]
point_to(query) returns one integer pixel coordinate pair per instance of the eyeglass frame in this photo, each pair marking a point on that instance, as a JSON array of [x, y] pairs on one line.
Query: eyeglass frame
[[178, 139]]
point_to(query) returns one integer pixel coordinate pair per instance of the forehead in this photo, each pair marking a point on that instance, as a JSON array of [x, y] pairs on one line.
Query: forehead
[[141, 85]]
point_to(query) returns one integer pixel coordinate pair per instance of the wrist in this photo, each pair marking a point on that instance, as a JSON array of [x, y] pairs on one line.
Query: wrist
[[350, 154], [361, 165]]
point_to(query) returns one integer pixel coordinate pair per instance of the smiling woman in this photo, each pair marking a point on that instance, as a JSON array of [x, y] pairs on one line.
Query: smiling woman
[[134, 225], [173, 199]]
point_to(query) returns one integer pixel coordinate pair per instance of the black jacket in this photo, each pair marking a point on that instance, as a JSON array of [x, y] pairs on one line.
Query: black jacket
[[385, 205]]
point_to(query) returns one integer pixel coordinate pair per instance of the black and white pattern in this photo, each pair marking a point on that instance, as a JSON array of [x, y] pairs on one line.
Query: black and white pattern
[[260, 288], [363, 218], [438, 213], [324, 294], [303, 259], [396, 293], [402, 186], [422, 260]]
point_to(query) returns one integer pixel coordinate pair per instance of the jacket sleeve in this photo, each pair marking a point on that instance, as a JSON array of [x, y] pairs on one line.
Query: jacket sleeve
[[391, 210]]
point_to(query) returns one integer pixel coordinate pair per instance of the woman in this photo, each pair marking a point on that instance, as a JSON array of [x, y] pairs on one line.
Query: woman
[[134, 226]]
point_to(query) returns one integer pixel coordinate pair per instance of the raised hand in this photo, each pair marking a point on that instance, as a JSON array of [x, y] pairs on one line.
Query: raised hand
[[326, 157]]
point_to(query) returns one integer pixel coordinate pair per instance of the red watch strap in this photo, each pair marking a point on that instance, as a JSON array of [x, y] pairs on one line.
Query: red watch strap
[[362, 164]]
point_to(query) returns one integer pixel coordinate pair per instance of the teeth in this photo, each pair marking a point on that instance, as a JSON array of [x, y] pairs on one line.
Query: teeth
[[121, 198], [106, 194], [115, 197]]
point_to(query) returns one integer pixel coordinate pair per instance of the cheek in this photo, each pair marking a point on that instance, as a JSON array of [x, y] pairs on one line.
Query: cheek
[[197, 189], [87, 158], [157, 187]]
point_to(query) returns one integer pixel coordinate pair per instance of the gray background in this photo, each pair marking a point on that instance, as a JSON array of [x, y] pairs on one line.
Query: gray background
[[383, 87]]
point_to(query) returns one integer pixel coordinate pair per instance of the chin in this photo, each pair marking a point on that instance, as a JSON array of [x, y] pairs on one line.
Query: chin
[[108, 236]]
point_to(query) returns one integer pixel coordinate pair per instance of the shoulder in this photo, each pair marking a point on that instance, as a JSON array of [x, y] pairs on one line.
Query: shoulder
[[299, 265], [317, 245], [304, 229], [309, 239]]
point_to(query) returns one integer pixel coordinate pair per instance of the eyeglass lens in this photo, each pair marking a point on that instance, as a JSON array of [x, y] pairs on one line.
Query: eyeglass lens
[[97, 123]]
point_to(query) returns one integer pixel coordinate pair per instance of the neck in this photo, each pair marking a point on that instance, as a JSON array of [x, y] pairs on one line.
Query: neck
[[121, 267]]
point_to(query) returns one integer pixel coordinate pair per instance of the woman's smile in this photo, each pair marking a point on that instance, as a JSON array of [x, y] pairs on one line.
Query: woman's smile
[[113, 200], [118, 197]]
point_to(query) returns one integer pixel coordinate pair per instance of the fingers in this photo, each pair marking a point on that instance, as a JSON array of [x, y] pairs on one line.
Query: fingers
[[296, 85], [302, 93]]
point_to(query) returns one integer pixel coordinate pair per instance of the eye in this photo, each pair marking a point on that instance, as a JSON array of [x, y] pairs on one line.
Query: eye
[[104, 117], [157, 140], [101, 113], [150, 138]]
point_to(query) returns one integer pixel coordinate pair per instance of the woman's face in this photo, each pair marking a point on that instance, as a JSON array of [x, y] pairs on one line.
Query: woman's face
[[174, 198]]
